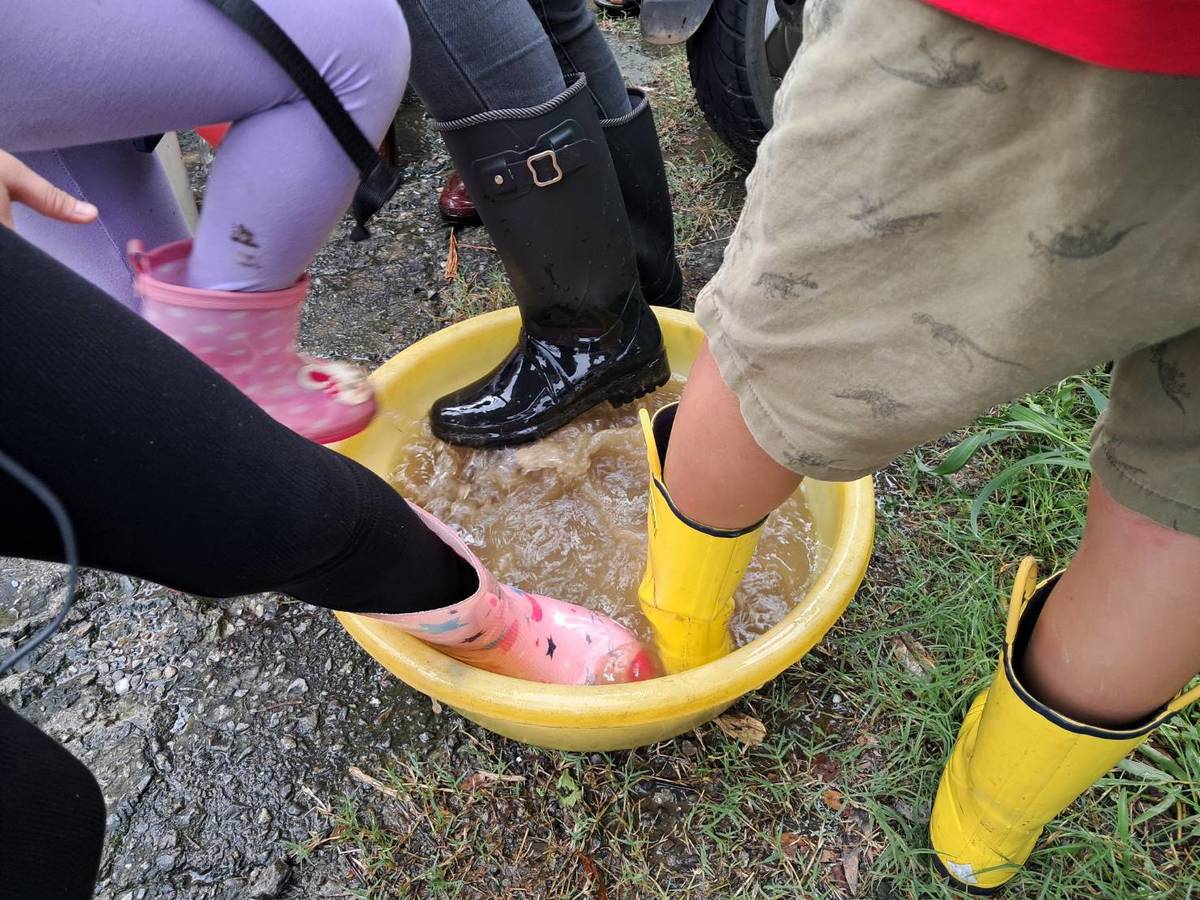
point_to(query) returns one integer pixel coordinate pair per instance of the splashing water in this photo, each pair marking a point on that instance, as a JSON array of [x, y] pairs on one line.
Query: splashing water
[[566, 517]]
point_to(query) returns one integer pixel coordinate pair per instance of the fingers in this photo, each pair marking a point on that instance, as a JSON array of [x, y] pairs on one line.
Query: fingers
[[26, 186]]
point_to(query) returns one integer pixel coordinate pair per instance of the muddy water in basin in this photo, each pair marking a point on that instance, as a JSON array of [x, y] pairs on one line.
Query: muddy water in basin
[[566, 517]]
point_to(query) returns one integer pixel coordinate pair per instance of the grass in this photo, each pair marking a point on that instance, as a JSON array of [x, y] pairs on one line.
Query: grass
[[834, 802], [475, 290], [947, 589], [707, 186]]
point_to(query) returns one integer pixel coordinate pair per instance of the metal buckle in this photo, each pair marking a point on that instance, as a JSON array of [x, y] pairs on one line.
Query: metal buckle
[[538, 157]]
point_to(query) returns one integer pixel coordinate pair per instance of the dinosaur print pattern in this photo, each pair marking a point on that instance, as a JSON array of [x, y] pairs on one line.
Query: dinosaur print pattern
[[802, 459], [874, 218], [882, 404], [1170, 377], [947, 72], [784, 287], [1081, 241], [1128, 469], [935, 226], [959, 342]]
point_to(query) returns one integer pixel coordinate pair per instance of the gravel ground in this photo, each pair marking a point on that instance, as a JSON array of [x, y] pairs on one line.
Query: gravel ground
[[214, 727]]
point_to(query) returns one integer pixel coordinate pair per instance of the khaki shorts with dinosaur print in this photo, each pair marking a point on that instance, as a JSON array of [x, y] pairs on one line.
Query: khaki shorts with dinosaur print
[[943, 219]]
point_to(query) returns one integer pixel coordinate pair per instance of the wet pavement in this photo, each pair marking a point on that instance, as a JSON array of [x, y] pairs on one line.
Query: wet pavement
[[212, 727]]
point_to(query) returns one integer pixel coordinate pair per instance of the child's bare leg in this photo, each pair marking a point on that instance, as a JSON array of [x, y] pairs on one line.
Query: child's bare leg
[[1120, 635], [715, 472]]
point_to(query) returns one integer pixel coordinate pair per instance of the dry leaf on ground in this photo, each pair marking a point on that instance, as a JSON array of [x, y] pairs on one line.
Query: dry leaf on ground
[[826, 768], [794, 844], [746, 729], [850, 861], [595, 876], [913, 657], [834, 799]]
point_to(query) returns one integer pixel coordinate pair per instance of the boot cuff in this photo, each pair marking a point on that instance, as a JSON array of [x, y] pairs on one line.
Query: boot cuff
[[576, 85], [639, 104]]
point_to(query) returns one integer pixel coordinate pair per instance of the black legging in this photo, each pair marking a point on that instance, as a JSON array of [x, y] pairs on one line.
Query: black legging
[[51, 815], [169, 473]]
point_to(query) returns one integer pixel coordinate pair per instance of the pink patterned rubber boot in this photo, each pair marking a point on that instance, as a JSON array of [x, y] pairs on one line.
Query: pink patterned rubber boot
[[250, 338], [504, 630]]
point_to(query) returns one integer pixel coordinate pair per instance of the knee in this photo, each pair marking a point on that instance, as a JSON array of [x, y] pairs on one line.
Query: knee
[[368, 64], [566, 21]]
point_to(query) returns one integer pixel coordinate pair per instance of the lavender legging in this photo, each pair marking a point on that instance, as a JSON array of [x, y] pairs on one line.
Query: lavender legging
[[102, 73], [135, 199]]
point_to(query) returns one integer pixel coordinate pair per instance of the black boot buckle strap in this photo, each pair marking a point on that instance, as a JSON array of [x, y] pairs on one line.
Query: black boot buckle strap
[[553, 156]]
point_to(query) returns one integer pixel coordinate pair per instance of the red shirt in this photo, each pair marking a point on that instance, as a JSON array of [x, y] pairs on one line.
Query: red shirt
[[1160, 36]]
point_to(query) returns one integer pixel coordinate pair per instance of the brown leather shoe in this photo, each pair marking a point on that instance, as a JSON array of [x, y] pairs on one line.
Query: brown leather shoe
[[619, 7], [455, 203]]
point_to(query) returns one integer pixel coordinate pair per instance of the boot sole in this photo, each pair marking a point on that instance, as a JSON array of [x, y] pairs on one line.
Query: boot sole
[[619, 12], [465, 220], [973, 890], [639, 384], [625, 389]]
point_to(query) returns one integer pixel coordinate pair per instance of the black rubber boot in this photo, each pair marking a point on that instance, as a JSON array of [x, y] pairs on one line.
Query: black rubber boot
[[544, 184], [637, 157]]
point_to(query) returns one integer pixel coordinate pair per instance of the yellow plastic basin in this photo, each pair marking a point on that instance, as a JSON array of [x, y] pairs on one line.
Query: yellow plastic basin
[[604, 717]]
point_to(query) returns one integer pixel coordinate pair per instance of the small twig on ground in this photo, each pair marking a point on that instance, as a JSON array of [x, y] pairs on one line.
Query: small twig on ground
[[321, 808], [363, 778], [479, 779], [716, 240]]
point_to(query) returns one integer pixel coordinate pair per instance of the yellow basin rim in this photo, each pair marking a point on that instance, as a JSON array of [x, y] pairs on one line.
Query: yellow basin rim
[[462, 352]]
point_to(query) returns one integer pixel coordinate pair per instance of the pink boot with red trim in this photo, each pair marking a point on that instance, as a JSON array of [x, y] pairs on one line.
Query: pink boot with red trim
[[504, 630], [250, 338]]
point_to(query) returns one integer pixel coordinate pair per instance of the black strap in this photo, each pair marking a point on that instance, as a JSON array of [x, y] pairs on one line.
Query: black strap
[[378, 180], [554, 155]]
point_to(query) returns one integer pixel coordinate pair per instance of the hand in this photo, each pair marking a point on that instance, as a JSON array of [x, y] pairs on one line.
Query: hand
[[20, 184]]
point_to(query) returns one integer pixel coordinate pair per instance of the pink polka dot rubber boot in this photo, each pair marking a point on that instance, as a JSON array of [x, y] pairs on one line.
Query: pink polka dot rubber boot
[[250, 338], [509, 632]]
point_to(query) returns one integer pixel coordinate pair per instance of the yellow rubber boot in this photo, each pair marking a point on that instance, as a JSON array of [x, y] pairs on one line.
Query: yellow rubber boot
[[1017, 763], [691, 570]]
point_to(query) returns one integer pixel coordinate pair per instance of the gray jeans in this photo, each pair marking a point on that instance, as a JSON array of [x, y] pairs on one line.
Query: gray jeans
[[469, 56]]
